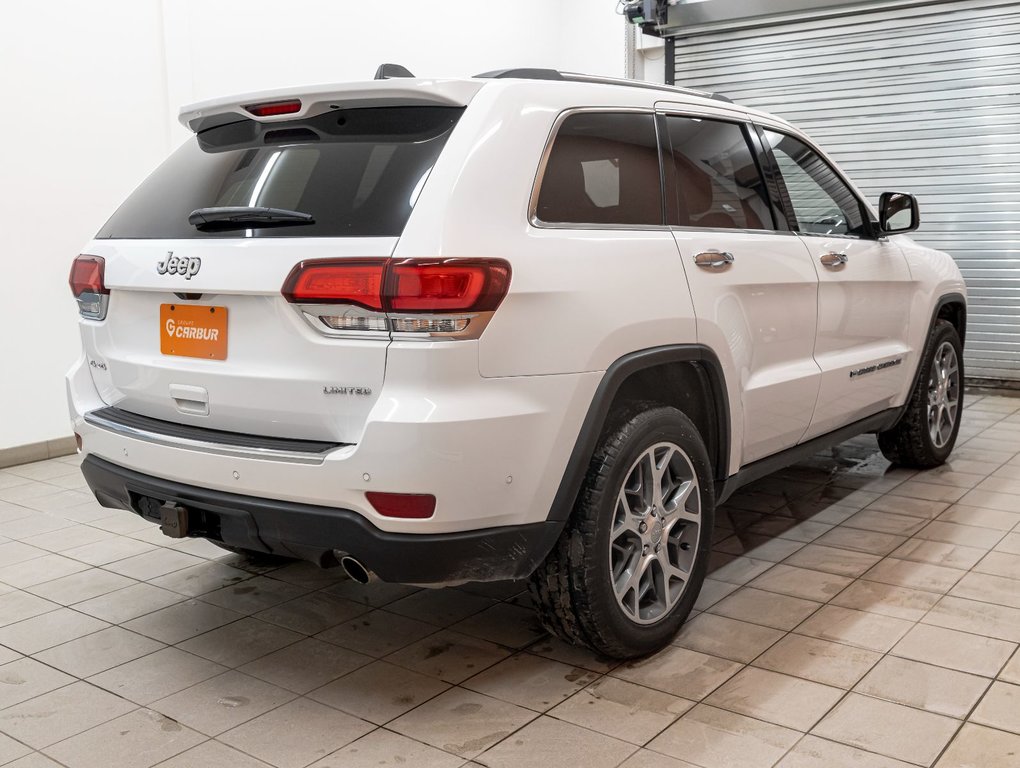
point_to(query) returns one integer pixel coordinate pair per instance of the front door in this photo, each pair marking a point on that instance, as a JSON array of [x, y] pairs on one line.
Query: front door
[[864, 290]]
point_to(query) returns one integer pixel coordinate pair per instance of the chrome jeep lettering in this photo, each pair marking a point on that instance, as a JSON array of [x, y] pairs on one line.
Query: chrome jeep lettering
[[176, 265]]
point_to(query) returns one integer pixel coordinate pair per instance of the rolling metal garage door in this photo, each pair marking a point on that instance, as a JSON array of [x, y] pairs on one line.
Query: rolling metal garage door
[[923, 98]]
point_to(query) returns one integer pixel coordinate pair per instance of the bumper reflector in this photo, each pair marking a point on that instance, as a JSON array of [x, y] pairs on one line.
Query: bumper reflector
[[415, 506]]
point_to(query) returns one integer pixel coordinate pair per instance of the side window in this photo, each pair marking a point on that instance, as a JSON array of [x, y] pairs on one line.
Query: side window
[[716, 182], [603, 169], [821, 202]]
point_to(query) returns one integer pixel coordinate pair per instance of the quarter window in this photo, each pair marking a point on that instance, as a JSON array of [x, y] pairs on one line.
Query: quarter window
[[717, 181], [603, 169], [821, 202]]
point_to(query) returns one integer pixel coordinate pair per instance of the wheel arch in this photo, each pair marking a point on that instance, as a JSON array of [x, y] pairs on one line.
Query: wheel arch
[[687, 376]]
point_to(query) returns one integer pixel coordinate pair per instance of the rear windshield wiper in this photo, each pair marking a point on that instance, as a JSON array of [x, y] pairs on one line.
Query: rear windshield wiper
[[245, 217]]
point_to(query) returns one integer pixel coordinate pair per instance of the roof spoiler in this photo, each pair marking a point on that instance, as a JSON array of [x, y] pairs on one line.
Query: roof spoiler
[[387, 71]]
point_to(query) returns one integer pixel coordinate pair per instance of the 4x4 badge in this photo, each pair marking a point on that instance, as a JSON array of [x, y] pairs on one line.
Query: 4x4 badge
[[175, 265]]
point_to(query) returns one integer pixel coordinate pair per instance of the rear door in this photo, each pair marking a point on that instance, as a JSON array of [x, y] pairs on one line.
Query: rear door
[[865, 289], [197, 331], [754, 287]]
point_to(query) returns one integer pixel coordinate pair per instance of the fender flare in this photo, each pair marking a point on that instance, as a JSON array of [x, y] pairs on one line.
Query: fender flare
[[577, 465]]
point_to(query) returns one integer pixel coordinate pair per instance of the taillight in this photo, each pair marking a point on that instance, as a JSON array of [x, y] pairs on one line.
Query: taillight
[[274, 108], [446, 297], [87, 281], [414, 506]]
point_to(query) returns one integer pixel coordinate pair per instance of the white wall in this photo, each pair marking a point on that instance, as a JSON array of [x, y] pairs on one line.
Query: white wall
[[97, 87], [83, 118]]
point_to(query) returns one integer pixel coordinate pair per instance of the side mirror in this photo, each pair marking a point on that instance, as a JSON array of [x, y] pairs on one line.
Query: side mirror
[[898, 213]]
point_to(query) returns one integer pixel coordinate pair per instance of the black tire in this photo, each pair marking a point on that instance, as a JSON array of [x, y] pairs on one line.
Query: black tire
[[910, 443], [573, 590]]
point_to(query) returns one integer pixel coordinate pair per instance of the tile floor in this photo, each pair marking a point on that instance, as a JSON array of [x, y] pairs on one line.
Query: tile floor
[[856, 615]]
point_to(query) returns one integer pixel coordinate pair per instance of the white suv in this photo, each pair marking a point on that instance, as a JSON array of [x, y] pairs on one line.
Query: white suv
[[526, 324]]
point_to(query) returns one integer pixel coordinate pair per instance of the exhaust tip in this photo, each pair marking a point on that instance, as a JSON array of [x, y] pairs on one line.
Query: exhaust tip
[[355, 570]]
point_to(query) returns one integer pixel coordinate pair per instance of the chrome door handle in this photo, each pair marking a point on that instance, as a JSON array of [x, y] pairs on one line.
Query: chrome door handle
[[714, 259], [834, 259]]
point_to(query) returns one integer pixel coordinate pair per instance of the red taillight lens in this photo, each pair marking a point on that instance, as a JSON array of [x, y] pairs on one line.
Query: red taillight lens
[[404, 505], [455, 285], [87, 276], [273, 108], [349, 281], [408, 286]]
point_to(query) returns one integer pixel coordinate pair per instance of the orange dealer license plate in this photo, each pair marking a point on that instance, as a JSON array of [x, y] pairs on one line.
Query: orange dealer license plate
[[193, 331]]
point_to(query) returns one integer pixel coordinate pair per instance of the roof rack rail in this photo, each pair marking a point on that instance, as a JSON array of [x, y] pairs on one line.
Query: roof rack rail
[[387, 71], [578, 77]]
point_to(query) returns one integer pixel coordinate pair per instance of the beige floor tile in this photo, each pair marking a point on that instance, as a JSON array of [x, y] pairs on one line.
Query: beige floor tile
[[222, 702], [61, 713], [375, 595], [81, 586], [99, 651], [1010, 544], [379, 692], [312, 613], [68, 538], [801, 582], [712, 591], [212, 754], [1000, 564], [49, 629], [645, 758], [768, 609], [841, 562], [684, 673], [34, 760], [785, 527], [1011, 672], [151, 565], [920, 489], [996, 621], [857, 540], [1000, 708], [858, 628], [182, 621], [17, 606], [240, 642], [378, 633], [889, 729], [776, 698], [254, 595], [532, 746], [980, 747], [7, 655], [715, 738], [984, 518], [899, 505], [128, 603], [307, 664], [505, 624], [449, 656], [623, 710], [157, 675], [885, 522], [940, 553], [989, 589], [739, 570], [728, 638], [385, 748], [39, 570], [812, 752], [906, 573], [26, 678], [442, 607], [557, 650], [755, 547], [954, 650], [136, 740], [965, 535], [531, 681], [1007, 502], [198, 579], [11, 749], [888, 600], [933, 689], [822, 661], [462, 722], [108, 550]]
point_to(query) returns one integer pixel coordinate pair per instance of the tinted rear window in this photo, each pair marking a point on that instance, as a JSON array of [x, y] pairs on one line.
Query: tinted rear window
[[357, 171]]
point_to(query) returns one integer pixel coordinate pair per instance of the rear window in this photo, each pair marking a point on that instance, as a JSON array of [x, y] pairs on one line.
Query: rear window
[[356, 171]]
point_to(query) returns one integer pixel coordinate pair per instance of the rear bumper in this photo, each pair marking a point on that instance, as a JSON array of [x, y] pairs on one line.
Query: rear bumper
[[315, 533]]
